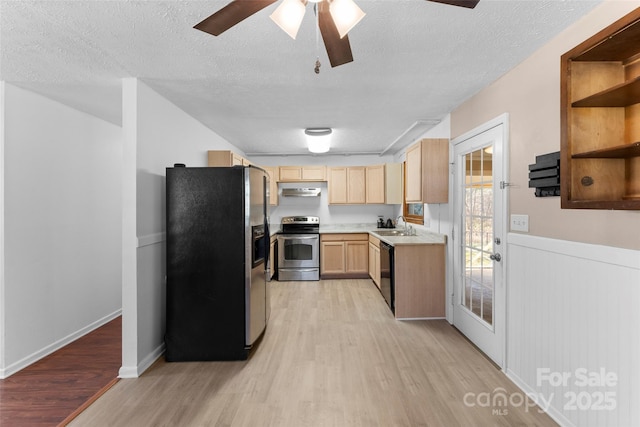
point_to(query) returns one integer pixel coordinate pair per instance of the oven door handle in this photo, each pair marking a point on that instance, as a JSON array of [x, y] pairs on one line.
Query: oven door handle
[[301, 237]]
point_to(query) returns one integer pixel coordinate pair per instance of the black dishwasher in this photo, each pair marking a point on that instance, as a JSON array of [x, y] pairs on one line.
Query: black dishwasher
[[387, 287]]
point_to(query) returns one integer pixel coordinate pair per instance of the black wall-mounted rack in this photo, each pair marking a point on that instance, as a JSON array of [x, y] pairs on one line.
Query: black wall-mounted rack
[[544, 175]]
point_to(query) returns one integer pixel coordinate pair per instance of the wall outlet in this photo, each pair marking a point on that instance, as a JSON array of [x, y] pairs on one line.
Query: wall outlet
[[520, 223]]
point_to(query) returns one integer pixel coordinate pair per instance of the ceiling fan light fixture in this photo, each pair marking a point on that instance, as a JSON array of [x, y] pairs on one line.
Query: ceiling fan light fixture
[[318, 139], [346, 14], [289, 16]]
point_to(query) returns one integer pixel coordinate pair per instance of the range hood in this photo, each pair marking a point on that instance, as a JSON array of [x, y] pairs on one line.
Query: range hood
[[300, 192]]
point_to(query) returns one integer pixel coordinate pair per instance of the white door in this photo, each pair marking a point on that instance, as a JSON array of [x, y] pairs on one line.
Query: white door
[[479, 238]]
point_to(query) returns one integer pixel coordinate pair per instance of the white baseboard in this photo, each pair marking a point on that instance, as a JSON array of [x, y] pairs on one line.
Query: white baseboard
[[34, 357], [136, 371], [421, 318], [556, 415]]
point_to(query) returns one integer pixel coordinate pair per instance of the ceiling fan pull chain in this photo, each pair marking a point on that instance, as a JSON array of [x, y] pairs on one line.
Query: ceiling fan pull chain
[[317, 67]]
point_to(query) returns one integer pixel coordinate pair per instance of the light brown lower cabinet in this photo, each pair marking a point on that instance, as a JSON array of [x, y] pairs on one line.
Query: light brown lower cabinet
[[419, 281], [374, 260], [344, 255]]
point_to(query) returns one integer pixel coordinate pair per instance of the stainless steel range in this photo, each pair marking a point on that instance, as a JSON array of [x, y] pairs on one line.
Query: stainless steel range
[[299, 248]]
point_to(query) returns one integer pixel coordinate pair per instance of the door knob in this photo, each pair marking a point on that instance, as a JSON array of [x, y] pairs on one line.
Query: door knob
[[496, 257]]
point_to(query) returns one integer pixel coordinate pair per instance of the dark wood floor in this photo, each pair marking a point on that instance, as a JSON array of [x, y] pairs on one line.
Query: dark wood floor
[[52, 389]]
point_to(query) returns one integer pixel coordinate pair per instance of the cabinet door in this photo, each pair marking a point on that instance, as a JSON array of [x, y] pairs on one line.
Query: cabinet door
[[314, 173], [393, 183], [356, 185], [332, 258], [376, 267], [290, 173], [357, 257], [375, 185], [413, 165], [219, 158], [337, 185], [236, 160], [225, 158], [374, 264], [273, 184], [435, 170]]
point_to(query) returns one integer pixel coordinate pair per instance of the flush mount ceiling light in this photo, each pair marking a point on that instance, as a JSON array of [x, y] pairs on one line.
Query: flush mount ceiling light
[[318, 139], [335, 18]]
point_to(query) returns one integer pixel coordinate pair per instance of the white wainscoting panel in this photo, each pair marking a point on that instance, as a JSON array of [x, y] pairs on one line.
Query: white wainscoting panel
[[574, 314]]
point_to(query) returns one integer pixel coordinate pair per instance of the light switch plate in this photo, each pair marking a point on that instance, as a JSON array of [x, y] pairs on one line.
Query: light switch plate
[[520, 223]]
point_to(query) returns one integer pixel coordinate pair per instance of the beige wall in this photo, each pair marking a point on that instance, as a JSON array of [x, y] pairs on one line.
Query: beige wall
[[530, 94]]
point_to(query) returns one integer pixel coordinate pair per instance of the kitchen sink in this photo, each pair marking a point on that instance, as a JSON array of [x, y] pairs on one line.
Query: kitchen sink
[[391, 233]]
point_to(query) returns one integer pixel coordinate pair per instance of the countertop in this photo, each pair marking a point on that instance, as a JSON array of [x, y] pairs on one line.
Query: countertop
[[422, 237]]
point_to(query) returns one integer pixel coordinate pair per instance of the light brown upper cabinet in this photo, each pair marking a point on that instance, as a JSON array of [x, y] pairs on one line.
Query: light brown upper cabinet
[[374, 185], [427, 173], [273, 184], [600, 119], [223, 158], [366, 184], [347, 185], [384, 183], [302, 173]]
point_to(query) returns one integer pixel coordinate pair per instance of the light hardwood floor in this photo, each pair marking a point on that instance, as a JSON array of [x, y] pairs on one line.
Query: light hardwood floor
[[332, 355]]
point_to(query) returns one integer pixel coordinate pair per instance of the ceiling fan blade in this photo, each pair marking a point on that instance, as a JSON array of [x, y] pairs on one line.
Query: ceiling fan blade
[[463, 3], [338, 49], [231, 14]]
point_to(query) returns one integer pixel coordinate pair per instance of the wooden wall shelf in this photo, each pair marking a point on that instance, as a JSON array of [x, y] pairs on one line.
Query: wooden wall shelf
[[622, 95], [626, 151], [600, 119]]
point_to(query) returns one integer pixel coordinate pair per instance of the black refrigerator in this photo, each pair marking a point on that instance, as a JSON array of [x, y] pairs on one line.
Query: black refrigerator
[[217, 255]]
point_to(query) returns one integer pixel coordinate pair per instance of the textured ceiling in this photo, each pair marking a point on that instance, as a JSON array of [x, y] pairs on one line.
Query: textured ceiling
[[413, 60]]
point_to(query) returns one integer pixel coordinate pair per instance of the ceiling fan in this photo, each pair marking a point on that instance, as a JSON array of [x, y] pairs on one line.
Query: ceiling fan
[[336, 40]]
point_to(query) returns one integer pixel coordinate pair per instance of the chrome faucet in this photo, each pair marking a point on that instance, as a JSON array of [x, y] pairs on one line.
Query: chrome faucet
[[403, 220]]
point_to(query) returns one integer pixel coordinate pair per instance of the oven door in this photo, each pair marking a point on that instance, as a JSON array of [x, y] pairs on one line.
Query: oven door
[[298, 250]]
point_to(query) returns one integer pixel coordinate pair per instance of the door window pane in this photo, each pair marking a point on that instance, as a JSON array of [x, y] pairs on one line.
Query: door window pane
[[478, 235]]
